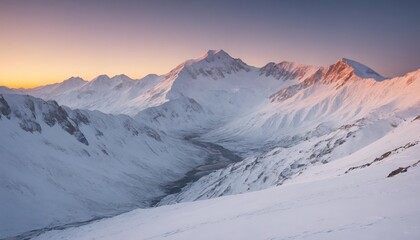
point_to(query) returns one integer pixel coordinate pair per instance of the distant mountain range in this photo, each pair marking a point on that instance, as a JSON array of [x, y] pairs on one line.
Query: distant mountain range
[[79, 150]]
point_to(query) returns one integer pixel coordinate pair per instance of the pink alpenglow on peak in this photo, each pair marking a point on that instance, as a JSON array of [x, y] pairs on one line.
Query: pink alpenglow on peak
[[359, 69]]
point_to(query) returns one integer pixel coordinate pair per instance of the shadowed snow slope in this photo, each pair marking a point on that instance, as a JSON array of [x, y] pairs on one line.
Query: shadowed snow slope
[[60, 165]]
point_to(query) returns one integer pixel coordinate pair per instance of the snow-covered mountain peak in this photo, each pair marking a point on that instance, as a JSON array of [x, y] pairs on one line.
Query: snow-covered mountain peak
[[101, 78], [346, 68], [150, 76], [71, 83], [48, 90], [214, 55], [214, 64], [215, 58], [121, 77], [106, 81], [75, 80]]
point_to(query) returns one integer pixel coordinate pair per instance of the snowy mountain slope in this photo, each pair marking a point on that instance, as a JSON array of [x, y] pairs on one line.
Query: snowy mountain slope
[[295, 110], [183, 116], [340, 73], [317, 125], [322, 203], [225, 88], [280, 164], [60, 165]]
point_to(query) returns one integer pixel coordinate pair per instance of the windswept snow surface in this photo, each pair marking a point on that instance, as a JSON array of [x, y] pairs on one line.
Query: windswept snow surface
[[325, 202]]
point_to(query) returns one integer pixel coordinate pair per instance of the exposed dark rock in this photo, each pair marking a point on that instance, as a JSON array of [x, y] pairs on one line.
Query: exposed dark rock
[[105, 152], [357, 167], [98, 133], [383, 156], [79, 118], [129, 126], [152, 133], [31, 106], [402, 169], [398, 171], [339, 142], [330, 146], [387, 154], [30, 126], [4, 107], [57, 114], [80, 137], [68, 127]]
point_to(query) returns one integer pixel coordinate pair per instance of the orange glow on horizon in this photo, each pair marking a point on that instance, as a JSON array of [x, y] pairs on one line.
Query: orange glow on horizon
[[29, 73], [45, 42], [33, 70]]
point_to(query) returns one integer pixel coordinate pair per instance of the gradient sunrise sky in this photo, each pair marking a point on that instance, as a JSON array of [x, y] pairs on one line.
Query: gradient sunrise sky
[[47, 41]]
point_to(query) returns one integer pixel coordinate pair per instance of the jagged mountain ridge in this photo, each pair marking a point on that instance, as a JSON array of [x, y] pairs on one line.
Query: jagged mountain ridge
[[120, 94], [288, 70]]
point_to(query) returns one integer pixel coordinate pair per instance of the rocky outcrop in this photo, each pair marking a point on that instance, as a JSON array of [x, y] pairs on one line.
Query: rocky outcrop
[[34, 113], [4, 107], [384, 156]]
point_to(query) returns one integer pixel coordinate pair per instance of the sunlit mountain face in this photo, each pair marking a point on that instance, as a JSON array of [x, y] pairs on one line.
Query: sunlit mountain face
[[302, 121]]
